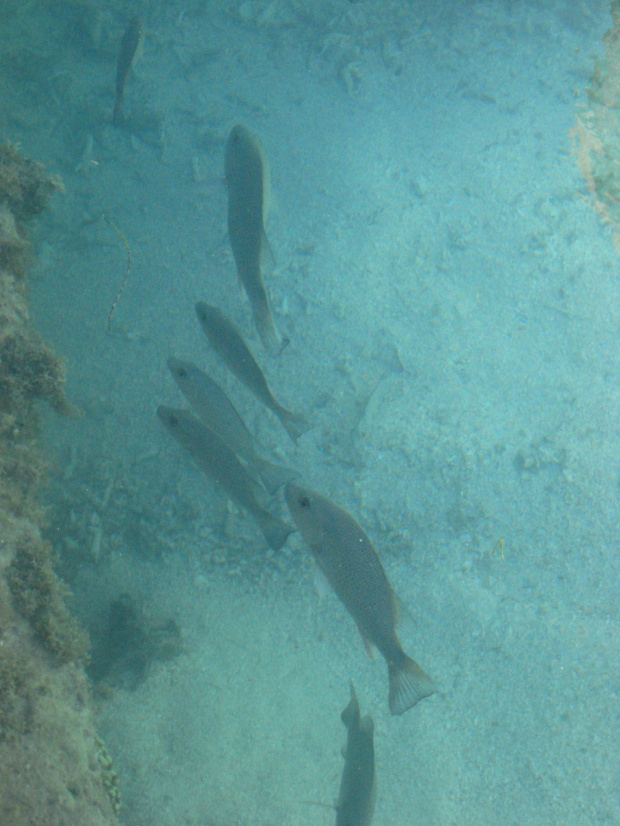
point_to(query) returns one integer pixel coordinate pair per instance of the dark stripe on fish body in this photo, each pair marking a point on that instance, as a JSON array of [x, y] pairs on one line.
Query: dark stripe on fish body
[[127, 56]]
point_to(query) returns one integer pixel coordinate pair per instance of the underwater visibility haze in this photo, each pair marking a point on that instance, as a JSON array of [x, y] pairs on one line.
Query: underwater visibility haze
[[309, 367]]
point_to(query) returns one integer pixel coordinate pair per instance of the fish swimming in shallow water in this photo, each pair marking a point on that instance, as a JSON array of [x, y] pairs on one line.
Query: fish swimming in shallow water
[[347, 558], [356, 801], [248, 184], [128, 55], [235, 353], [219, 463], [209, 401]]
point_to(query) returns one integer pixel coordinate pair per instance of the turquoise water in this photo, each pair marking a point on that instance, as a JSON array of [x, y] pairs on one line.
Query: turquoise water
[[453, 305]]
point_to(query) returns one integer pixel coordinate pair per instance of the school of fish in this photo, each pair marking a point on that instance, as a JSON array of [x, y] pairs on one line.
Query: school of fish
[[215, 436]]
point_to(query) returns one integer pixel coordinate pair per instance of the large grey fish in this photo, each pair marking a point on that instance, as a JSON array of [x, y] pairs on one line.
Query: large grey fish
[[350, 563], [128, 55], [248, 183], [209, 401], [219, 462], [235, 353], [356, 801]]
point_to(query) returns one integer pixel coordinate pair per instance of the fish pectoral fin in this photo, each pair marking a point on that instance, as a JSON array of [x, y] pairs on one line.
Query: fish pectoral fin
[[267, 258], [370, 648], [321, 583], [367, 724]]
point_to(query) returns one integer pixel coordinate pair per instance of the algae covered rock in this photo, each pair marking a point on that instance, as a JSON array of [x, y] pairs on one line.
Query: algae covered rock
[[54, 769]]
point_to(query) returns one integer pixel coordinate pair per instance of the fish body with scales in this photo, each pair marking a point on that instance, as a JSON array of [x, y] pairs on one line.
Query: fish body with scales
[[345, 555], [218, 461], [212, 405], [249, 183], [237, 356]]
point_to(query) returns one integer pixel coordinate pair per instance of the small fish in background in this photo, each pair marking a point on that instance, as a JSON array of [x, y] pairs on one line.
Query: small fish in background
[[213, 406], [128, 55], [249, 184], [219, 463], [350, 563], [235, 353], [356, 801]]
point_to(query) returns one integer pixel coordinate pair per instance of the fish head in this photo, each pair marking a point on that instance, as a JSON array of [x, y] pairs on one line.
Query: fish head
[[239, 140], [208, 315], [175, 419], [168, 416], [307, 510], [180, 369]]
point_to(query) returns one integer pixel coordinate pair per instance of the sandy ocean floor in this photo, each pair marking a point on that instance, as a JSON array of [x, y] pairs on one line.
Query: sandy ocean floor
[[453, 304]]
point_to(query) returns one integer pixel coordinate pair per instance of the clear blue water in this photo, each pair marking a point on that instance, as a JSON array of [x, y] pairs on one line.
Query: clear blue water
[[453, 304]]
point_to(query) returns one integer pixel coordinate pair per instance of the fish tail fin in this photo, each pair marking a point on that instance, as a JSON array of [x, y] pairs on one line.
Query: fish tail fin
[[295, 424], [263, 319], [408, 684], [274, 476], [271, 340], [275, 532]]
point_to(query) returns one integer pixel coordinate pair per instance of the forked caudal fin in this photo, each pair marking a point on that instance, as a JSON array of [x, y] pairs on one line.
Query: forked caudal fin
[[408, 685], [275, 532], [294, 423]]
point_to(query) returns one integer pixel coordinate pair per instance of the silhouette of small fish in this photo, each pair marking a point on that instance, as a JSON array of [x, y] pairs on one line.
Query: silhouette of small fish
[[356, 801], [128, 55]]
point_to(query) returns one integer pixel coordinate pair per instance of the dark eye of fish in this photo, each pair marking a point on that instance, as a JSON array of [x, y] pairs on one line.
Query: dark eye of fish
[[182, 372], [304, 502]]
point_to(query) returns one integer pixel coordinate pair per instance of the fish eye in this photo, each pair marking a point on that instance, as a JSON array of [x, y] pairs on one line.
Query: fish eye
[[182, 372], [304, 502]]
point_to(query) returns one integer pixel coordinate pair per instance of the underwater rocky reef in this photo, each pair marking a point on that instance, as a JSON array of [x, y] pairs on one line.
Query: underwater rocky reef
[[53, 767]]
